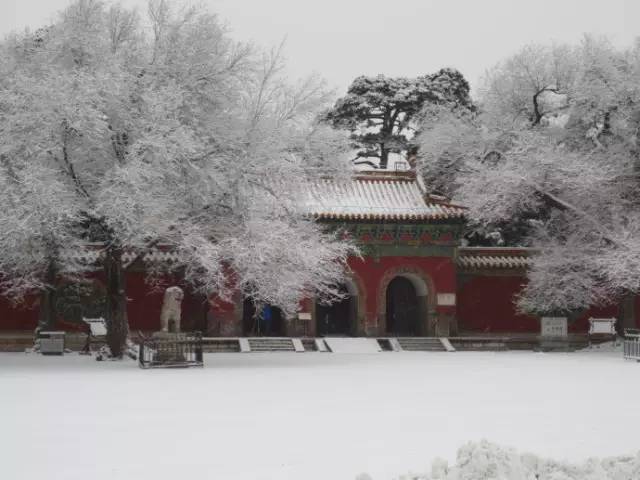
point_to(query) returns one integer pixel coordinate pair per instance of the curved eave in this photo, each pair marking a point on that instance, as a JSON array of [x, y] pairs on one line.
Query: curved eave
[[412, 217], [493, 263]]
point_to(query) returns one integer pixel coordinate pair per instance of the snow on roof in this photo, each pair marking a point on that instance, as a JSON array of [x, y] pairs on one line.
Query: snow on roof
[[376, 196], [93, 253], [494, 257]]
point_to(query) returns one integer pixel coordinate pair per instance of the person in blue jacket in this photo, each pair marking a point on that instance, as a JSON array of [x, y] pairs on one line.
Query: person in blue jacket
[[267, 316]]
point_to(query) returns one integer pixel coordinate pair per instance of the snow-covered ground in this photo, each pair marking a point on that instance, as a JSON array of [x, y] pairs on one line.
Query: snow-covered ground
[[307, 416]]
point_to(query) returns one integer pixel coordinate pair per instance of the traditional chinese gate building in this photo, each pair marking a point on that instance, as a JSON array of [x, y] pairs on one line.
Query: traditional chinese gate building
[[405, 282], [412, 279]]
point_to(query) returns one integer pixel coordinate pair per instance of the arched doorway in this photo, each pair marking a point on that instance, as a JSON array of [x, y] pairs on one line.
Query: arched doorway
[[268, 322], [403, 313], [338, 318]]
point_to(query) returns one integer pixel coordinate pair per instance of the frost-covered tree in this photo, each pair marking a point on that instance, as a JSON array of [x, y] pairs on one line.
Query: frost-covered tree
[[380, 112], [570, 187], [40, 236], [529, 85], [175, 135]]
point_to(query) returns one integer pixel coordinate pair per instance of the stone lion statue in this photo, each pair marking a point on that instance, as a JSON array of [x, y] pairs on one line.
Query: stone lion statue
[[170, 314]]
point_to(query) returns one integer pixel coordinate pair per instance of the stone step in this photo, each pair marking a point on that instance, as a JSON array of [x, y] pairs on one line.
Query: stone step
[[421, 344], [214, 345], [481, 345], [269, 342], [271, 345], [15, 344], [285, 348], [419, 339]]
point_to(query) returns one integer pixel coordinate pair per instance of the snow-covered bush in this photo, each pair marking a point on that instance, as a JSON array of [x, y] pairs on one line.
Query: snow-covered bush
[[487, 461]]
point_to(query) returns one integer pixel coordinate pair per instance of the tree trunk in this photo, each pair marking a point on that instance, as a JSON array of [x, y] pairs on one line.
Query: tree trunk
[[384, 157], [537, 116], [117, 322], [48, 300]]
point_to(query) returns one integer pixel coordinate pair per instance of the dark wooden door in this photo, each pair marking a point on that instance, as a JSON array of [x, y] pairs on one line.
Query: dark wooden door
[[402, 308]]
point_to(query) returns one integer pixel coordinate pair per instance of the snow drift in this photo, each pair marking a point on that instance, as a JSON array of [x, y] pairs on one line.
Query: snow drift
[[487, 461]]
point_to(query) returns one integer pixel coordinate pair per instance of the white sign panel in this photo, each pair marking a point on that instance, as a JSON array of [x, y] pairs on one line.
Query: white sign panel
[[447, 299], [553, 326], [606, 326], [304, 316]]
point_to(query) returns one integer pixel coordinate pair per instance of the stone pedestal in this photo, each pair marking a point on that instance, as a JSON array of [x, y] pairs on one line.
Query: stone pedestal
[[168, 348], [554, 333]]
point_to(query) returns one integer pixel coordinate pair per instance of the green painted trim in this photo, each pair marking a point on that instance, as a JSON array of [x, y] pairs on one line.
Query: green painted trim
[[402, 234], [376, 251]]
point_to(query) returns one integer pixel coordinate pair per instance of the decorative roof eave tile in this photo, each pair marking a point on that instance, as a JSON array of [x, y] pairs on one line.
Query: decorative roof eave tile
[[478, 258], [383, 217]]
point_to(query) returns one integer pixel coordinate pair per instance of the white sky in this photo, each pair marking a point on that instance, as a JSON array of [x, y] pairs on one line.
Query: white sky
[[342, 39]]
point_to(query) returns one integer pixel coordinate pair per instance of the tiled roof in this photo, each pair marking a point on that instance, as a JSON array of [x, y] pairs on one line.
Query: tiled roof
[[498, 257], [376, 197], [153, 256], [94, 253]]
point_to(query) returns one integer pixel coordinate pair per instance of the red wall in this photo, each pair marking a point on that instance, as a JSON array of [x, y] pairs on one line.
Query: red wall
[[484, 302], [143, 303], [486, 305], [143, 308], [18, 317]]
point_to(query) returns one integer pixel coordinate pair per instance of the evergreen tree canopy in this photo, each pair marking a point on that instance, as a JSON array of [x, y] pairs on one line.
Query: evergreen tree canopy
[[380, 111]]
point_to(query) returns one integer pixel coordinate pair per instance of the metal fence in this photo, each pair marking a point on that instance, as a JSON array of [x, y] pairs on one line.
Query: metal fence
[[631, 344], [172, 350]]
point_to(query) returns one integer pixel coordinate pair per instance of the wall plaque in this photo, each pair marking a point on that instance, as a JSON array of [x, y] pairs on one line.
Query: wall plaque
[[447, 299], [553, 327]]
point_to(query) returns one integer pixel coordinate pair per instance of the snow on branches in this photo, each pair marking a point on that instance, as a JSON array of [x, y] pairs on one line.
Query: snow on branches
[[177, 136], [569, 187]]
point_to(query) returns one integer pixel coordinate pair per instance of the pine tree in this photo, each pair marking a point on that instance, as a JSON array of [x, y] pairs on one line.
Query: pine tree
[[380, 112]]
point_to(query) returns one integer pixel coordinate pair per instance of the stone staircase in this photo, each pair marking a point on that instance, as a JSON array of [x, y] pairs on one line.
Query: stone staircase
[[271, 344], [479, 344], [220, 345], [421, 344]]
